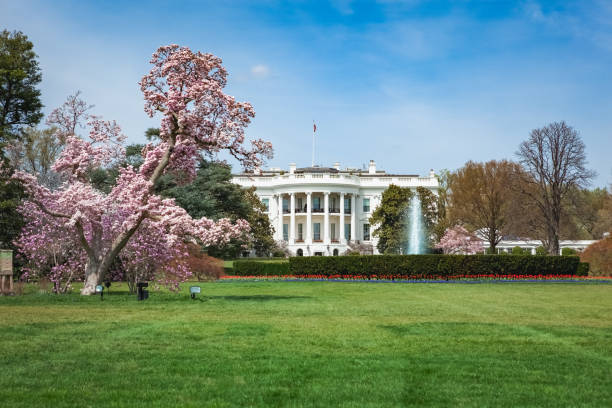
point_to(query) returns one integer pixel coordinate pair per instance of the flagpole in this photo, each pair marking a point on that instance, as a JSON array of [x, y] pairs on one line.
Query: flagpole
[[314, 129]]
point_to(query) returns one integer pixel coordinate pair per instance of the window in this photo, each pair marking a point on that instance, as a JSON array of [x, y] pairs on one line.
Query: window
[[300, 232], [347, 205], [333, 231], [285, 205], [316, 203], [317, 231], [366, 232], [366, 205], [285, 232], [332, 204], [299, 204], [335, 252], [266, 203], [300, 252], [347, 232]]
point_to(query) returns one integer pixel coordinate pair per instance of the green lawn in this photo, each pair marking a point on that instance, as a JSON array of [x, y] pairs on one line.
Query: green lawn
[[312, 344]]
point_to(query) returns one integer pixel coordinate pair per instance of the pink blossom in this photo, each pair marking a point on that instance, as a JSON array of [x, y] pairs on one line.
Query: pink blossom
[[77, 232], [457, 240]]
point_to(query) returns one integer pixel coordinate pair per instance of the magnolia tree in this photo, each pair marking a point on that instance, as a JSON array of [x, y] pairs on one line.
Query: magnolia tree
[[78, 232], [457, 240]]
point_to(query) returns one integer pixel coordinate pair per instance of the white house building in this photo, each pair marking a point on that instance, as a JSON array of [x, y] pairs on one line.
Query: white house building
[[319, 210], [506, 245]]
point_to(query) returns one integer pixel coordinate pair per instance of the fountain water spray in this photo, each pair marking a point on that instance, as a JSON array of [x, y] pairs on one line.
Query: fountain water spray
[[415, 227]]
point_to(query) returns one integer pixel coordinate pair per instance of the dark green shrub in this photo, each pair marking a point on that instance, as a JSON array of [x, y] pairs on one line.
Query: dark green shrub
[[568, 252], [541, 251], [431, 266], [583, 269], [278, 253], [257, 268], [517, 250]]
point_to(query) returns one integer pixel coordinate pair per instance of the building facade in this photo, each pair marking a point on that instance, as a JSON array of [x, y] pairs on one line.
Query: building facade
[[506, 245], [320, 210]]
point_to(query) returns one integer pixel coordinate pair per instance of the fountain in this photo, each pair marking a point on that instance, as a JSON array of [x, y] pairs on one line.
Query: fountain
[[415, 228]]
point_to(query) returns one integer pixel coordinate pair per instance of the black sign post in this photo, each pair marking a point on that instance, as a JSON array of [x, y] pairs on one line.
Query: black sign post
[[142, 293]]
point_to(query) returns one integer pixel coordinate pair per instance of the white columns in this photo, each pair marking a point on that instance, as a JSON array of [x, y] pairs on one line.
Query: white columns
[[342, 240], [353, 214], [292, 225], [326, 220], [309, 218], [280, 217]]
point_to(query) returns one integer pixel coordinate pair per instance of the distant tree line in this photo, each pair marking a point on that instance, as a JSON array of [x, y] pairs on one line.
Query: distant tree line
[[542, 195]]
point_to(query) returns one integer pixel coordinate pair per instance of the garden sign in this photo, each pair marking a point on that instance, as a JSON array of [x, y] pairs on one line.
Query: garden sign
[[6, 271]]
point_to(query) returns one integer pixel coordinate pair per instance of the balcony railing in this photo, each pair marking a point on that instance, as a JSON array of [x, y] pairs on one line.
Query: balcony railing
[[317, 210]]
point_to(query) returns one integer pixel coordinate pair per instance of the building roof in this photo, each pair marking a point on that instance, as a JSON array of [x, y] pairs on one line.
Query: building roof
[[317, 169]]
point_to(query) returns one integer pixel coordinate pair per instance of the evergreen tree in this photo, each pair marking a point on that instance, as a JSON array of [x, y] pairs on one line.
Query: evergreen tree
[[389, 219], [20, 103]]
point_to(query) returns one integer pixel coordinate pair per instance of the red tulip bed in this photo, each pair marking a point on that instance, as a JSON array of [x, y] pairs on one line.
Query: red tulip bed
[[419, 268]]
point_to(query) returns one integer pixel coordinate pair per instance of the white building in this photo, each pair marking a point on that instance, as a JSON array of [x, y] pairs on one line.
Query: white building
[[506, 245], [318, 210]]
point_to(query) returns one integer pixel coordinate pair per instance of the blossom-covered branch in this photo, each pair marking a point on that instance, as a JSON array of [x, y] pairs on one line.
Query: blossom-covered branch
[[78, 231]]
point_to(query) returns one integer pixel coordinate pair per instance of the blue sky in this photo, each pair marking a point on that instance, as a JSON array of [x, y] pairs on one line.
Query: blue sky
[[413, 85]]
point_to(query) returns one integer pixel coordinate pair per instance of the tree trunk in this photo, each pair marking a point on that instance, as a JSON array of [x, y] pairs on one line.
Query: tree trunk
[[553, 241], [93, 277]]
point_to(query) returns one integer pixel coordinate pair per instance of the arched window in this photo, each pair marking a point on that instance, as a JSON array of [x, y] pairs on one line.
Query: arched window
[[335, 252], [300, 252]]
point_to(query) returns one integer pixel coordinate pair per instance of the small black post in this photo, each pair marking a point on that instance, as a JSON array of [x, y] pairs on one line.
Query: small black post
[[142, 293]]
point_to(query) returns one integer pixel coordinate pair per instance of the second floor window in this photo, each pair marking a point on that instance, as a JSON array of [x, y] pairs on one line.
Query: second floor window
[[285, 205], [316, 203], [366, 205], [347, 205], [266, 203]]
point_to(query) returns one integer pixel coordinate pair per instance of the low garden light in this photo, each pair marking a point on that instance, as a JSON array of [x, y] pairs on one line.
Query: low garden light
[[100, 290], [193, 290]]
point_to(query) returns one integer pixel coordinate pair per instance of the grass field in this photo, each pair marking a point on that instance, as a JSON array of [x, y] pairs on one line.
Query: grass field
[[312, 344]]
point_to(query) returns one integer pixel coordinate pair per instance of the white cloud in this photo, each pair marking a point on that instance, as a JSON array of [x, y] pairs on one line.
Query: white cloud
[[260, 71]]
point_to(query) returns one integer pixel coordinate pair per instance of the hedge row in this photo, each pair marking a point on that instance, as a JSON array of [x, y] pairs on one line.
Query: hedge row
[[259, 268], [434, 266]]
